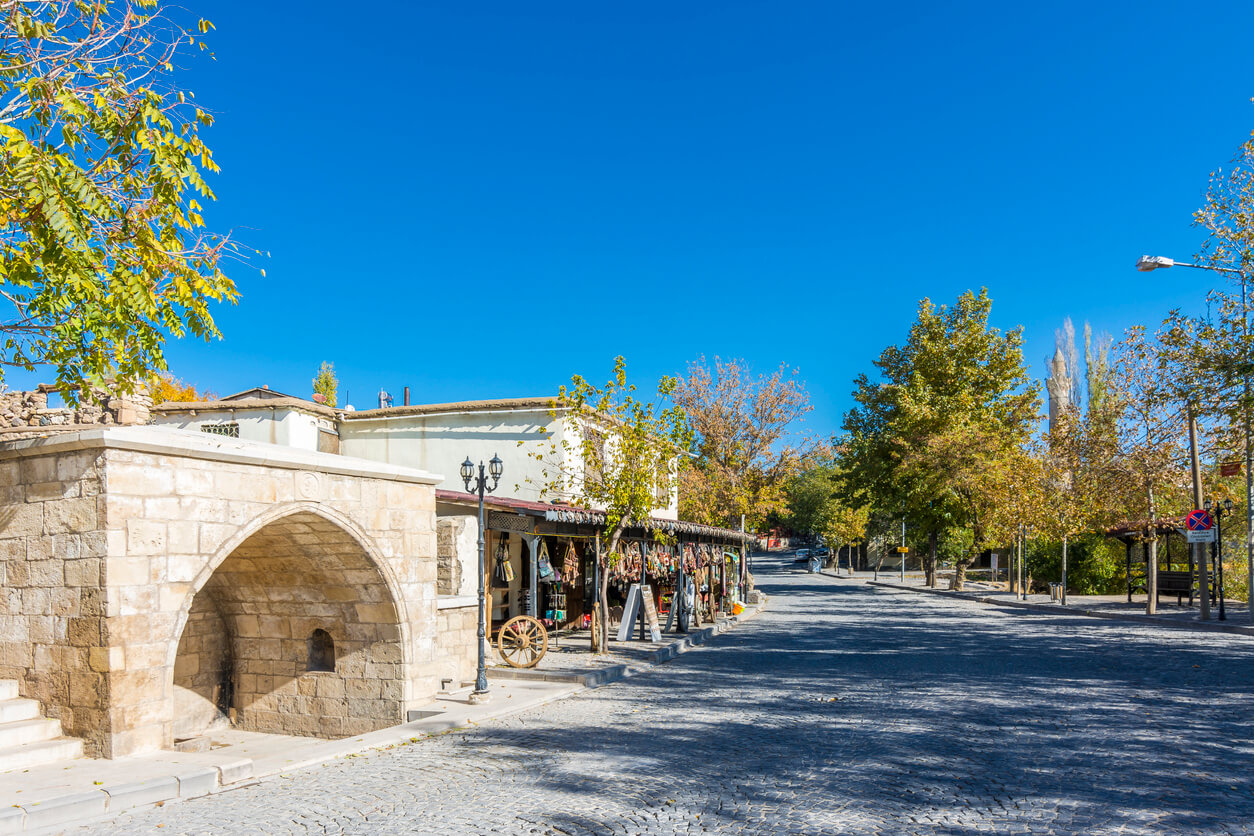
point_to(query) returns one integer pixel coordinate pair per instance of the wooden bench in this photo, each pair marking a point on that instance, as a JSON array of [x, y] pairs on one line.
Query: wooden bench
[[1176, 583]]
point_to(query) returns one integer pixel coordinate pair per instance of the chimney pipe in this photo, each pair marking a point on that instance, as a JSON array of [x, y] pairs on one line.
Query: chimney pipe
[[406, 396]]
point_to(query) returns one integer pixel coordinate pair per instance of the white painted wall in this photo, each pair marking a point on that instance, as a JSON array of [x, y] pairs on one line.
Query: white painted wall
[[437, 443], [288, 427], [440, 443]]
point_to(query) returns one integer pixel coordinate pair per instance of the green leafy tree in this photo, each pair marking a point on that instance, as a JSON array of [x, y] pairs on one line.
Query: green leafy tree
[[744, 456], [326, 384], [942, 433], [104, 252], [616, 453], [815, 506]]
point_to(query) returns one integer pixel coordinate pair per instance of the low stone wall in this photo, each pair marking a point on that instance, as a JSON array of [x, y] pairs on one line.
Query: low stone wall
[[456, 657], [30, 409]]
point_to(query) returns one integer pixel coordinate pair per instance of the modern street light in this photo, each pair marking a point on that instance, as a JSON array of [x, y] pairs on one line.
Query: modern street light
[[1219, 510], [1148, 263], [495, 468]]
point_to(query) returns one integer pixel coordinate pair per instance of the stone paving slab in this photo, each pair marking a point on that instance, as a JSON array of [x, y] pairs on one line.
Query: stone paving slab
[[849, 709], [47, 798]]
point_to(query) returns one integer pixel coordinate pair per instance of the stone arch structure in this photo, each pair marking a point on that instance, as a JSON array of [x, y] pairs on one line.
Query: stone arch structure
[[241, 647], [168, 567]]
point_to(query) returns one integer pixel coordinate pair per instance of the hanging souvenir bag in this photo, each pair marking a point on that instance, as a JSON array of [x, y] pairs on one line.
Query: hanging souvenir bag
[[570, 565], [543, 567], [504, 569]]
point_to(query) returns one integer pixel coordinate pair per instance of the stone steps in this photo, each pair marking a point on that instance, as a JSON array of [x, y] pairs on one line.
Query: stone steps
[[26, 738]]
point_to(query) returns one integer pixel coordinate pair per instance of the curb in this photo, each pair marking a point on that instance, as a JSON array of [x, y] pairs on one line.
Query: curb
[[50, 816], [1055, 609], [82, 807]]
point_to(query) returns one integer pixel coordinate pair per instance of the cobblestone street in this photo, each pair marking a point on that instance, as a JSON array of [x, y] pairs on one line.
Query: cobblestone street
[[842, 709]]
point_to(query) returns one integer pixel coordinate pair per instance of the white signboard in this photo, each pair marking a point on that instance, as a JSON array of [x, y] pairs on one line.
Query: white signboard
[[1205, 536]]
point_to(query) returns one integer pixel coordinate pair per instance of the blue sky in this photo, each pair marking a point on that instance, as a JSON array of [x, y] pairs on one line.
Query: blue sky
[[478, 200]]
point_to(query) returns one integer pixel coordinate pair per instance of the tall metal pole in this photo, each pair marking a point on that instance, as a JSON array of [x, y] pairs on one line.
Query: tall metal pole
[[1203, 582], [1249, 471], [900, 553], [1219, 547], [1145, 264], [480, 694]]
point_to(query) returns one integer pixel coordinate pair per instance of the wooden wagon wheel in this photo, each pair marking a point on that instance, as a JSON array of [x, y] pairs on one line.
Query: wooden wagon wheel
[[522, 641]]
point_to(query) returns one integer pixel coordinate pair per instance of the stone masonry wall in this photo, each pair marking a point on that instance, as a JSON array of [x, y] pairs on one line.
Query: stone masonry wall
[[203, 670], [99, 406], [455, 630], [52, 614]]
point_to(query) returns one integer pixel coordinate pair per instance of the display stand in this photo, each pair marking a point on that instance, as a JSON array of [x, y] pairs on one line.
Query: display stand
[[639, 605]]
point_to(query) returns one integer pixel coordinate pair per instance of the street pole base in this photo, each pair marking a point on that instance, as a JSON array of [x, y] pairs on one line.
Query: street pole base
[[480, 697]]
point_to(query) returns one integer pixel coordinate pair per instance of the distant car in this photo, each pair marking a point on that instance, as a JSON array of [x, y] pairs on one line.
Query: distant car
[[822, 551], [801, 556]]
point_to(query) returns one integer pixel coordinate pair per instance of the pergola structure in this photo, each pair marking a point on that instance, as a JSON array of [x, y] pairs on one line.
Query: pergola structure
[[1139, 531]]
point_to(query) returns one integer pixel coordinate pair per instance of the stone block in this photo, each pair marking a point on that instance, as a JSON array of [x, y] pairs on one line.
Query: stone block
[[105, 659], [182, 536], [23, 520], [38, 469], [139, 479], [64, 810], [193, 482], [140, 793], [41, 491], [145, 537], [128, 571], [45, 573]]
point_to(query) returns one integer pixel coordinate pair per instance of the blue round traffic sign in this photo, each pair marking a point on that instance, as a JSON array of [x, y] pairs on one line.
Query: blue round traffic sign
[[1199, 520]]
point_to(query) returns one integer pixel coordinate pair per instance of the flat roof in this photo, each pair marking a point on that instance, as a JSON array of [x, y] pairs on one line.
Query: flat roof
[[489, 405], [560, 512]]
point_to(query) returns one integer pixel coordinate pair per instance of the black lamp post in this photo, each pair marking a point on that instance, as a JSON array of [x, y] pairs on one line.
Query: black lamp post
[[495, 468], [1219, 510]]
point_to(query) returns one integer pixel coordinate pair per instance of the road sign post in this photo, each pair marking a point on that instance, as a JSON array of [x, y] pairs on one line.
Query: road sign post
[[1200, 527]]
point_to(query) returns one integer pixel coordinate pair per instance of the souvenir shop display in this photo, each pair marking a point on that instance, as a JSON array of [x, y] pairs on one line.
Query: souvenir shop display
[[544, 568], [504, 571], [570, 565], [556, 612]]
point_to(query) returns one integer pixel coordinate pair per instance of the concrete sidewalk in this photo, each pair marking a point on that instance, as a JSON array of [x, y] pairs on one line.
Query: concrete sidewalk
[[46, 799], [1094, 606]]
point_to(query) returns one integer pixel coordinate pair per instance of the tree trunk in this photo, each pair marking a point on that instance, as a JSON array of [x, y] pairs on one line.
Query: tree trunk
[[603, 592], [931, 558], [960, 574]]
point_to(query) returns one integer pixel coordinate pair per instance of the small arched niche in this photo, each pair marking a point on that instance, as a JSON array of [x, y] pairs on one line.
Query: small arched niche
[[321, 656]]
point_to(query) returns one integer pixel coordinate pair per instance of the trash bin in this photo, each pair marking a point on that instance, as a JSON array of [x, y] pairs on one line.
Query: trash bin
[[816, 563], [1055, 593]]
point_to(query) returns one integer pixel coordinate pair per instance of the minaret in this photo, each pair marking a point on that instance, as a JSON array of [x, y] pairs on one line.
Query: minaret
[[1058, 385]]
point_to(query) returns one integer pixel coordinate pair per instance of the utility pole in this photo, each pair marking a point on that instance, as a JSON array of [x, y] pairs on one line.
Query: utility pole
[[1203, 582], [902, 552]]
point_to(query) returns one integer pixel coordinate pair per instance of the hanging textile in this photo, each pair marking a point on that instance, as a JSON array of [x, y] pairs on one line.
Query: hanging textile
[[504, 569], [570, 565], [690, 558], [544, 568]]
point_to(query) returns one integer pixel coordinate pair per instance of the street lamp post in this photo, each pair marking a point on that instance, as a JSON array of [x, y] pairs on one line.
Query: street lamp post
[[1147, 263], [1220, 510], [495, 468]]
